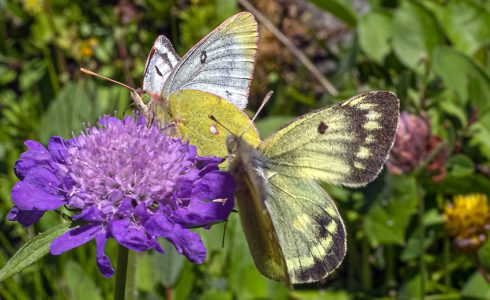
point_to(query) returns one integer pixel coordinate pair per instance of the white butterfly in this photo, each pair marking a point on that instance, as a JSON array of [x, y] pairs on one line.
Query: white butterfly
[[221, 63]]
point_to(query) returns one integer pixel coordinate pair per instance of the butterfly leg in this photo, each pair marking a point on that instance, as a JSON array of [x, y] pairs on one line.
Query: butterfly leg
[[142, 107]]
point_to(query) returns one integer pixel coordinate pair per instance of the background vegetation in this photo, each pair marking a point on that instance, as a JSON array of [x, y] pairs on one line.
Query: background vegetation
[[434, 55]]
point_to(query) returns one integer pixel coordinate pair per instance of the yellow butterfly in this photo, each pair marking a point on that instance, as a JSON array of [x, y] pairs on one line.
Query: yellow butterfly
[[292, 226]]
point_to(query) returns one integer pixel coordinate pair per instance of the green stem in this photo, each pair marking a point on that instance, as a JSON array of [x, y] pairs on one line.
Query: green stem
[[366, 278], [481, 269], [447, 260], [122, 268], [131, 290], [422, 241], [390, 266]]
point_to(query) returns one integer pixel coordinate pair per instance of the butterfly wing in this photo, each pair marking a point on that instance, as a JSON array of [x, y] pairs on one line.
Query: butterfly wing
[[190, 110], [309, 228], [251, 195], [293, 229], [346, 143], [221, 63], [159, 64]]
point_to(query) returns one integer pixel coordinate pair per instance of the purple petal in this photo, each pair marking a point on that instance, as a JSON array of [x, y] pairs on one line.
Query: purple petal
[[212, 201], [74, 238], [91, 213], [103, 261], [24, 217], [44, 180], [185, 241], [108, 120], [35, 156], [131, 235], [57, 147], [28, 197], [209, 163]]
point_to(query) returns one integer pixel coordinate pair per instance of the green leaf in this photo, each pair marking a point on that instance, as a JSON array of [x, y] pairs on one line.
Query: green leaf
[[375, 34], [460, 185], [169, 265], [484, 255], [411, 289], [467, 25], [6, 75], [243, 277], [481, 134], [186, 283], [454, 110], [32, 251], [270, 124], [338, 9], [388, 218], [460, 73], [460, 165], [320, 295], [412, 249], [216, 295], [476, 288], [80, 284], [415, 33], [145, 272], [78, 104]]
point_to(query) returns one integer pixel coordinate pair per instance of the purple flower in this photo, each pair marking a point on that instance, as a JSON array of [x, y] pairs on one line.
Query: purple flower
[[125, 181], [414, 142]]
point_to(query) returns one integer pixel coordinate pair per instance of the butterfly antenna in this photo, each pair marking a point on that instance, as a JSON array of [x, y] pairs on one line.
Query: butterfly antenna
[[264, 102], [107, 78], [219, 123], [224, 234]]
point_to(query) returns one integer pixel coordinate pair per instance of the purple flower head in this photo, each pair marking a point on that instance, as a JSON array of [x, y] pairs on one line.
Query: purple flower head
[[126, 181]]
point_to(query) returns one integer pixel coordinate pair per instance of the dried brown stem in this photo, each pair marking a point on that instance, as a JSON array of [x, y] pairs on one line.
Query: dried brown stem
[[327, 85]]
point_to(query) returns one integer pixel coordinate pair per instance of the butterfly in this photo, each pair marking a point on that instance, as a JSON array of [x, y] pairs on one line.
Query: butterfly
[[221, 63], [293, 228], [186, 90]]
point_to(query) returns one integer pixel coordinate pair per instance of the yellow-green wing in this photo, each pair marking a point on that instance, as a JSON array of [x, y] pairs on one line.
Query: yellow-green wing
[[346, 143], [250, 195], [310, 230], [190, 111], [221, 63], [293, 229]]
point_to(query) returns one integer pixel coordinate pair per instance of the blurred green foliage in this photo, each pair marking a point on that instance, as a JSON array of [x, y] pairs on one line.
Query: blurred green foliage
[[434, 54]]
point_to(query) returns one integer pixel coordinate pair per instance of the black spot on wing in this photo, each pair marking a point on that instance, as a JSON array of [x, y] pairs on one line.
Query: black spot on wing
[[158, 71], [322, 128], [204, 56]]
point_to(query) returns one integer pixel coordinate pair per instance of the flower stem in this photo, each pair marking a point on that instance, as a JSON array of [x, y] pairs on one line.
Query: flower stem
[[447, 260], [423, 270], [481, 269], [131, 290], [122, 267]]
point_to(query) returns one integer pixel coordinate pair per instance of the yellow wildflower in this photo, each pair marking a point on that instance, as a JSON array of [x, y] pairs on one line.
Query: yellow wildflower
[[86, 48], [467, 219], [33, 6]]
